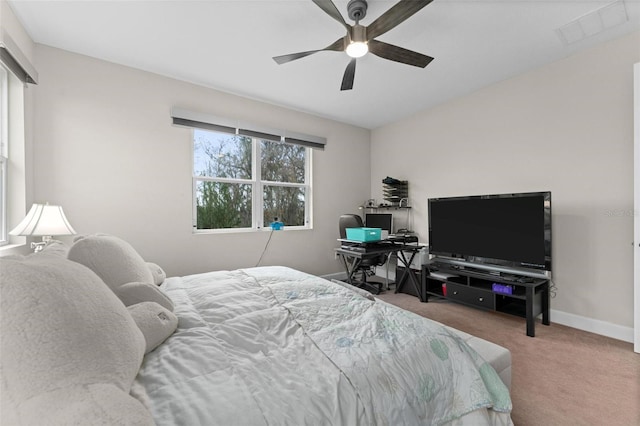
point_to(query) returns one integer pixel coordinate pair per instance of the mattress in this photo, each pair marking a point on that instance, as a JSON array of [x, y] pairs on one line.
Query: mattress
[[276, 346]]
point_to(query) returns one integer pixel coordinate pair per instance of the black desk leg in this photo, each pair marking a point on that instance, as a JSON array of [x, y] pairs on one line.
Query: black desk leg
[[408, 272], [348, 268], [352, 268], [400, 282]]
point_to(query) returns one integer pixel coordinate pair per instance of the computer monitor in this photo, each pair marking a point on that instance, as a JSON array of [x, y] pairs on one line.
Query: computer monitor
[[383, 221]]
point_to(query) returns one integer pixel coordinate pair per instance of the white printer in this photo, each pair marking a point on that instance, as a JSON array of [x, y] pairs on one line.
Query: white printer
[[421, 257]]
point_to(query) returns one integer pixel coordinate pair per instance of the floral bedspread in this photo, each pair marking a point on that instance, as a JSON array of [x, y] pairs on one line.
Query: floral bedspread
[[275, 346]]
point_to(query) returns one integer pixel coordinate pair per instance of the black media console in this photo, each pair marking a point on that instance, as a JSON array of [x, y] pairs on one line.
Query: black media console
[[488, 290]]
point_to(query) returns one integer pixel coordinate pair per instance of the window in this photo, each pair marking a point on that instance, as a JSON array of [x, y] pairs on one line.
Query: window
[[244, 182], [4, 153], [15, 73]]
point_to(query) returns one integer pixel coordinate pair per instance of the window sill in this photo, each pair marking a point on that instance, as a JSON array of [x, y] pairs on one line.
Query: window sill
[[245, 230], [9, 249]]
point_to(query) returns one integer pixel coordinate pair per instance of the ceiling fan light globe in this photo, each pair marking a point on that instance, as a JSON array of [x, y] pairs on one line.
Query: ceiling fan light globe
[[357, 49]]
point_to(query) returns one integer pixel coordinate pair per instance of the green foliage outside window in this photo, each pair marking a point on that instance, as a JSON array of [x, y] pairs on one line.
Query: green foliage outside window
[[223, 166], [287, 204], [223, 205]]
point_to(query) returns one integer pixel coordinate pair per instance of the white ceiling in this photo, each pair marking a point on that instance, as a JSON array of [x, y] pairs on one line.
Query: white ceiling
[[228, 45]]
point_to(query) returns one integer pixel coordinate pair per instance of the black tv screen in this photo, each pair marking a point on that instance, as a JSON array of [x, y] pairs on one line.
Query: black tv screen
[[508, 229]]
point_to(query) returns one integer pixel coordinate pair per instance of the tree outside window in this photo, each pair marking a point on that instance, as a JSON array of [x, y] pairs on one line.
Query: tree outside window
[[246, 182]]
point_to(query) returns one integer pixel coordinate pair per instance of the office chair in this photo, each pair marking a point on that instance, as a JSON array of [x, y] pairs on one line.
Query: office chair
[[365, 267]]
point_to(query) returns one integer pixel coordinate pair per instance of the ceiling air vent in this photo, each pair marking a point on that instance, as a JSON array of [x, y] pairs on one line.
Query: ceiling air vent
[[594, 22]]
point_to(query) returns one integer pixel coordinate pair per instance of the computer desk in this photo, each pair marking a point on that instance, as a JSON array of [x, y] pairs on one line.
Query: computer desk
[[352, 258]]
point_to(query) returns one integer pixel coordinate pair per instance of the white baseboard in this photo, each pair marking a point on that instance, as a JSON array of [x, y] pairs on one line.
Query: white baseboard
[[591, 325]]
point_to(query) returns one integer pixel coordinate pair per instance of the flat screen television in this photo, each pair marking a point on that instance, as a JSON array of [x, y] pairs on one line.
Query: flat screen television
[[505, 230]]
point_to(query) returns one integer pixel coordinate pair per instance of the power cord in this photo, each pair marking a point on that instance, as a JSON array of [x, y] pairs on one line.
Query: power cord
[[552, 289], [265, 247]]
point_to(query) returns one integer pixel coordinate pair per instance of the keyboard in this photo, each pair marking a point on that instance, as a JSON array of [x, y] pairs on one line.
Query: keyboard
[[403, 238], [368, 247]]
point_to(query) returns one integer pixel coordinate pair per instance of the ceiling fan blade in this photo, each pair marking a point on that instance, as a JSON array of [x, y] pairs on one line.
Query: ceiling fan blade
[[349, 75], [398, 54], [330, 8], [336, 46], [283, 59], [398, 13]]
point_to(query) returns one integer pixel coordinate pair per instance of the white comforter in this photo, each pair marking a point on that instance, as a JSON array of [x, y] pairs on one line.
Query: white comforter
[[274, 346]]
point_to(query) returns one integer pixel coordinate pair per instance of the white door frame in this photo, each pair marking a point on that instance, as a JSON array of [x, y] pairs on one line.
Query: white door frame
[[636, 207]]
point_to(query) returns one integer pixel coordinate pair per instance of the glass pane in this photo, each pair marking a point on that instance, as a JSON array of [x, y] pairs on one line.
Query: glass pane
[[221, 155], [223, 205], [282, 162], [287, 204]]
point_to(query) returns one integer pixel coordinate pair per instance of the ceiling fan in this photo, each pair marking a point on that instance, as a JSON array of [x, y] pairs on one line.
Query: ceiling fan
[[360, 39]]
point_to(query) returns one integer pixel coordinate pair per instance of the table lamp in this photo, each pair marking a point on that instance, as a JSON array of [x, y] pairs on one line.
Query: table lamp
[[43, 220]]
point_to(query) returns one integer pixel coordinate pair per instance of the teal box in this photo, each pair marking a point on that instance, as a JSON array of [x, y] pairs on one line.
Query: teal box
[[364, 234]]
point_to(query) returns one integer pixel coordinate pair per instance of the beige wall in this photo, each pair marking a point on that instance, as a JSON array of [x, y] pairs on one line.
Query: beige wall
[[106, 151], [566, 127]]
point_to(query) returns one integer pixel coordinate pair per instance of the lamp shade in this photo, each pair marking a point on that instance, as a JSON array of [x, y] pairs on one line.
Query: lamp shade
[[44, 220]]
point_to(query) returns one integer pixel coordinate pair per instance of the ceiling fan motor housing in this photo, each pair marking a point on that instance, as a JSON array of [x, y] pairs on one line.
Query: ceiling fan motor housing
[[357, 9], [358, 34]]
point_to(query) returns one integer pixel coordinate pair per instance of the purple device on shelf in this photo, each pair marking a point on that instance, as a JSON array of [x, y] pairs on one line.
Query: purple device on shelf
[[502, 288]]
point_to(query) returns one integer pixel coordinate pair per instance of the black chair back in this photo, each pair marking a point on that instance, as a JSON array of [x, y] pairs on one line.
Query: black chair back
[[349, 221]]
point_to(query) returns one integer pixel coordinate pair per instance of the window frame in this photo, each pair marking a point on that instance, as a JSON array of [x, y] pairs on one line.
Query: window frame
[[257, 189]]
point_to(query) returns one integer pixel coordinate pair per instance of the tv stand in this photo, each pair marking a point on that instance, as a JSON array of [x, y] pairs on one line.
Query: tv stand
[[475, 287]]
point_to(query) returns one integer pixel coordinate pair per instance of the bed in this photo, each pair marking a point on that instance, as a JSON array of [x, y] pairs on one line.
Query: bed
[[109, 340], [273, 345]]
